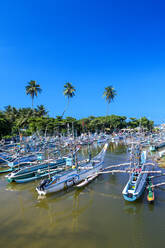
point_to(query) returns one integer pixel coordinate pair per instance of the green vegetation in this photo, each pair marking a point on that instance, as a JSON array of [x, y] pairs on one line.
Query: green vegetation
[[27, 121], [109, 94], [69, 92], [33, 89]]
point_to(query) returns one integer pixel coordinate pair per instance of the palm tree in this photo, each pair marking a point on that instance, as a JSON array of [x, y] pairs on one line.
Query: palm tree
[[33, 89], [69, 92], [11, 113], [40, 111], [109, 94]]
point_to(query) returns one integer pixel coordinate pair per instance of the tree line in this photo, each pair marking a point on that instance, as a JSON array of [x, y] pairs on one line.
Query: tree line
[[14, 121]]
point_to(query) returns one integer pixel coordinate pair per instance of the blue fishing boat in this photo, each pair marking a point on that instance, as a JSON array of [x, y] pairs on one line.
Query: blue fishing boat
[[137, 181], [12, 163], [32, 171], [13, 160], [39, 174]]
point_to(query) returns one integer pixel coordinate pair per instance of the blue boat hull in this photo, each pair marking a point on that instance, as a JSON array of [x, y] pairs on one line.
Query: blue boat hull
[[134, 197]]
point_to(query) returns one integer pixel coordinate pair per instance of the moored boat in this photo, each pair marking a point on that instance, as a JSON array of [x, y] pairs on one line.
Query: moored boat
[[137, 182], [73, 176], [150, 193], [32, 171]]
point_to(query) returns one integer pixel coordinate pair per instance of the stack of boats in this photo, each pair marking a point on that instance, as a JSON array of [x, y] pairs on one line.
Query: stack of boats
[[43, 159], [26, 166], [40, 158]]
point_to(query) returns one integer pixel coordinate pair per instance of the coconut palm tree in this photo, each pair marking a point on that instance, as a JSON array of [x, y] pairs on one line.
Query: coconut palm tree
[[33, 89], [69, 92], [11, 113], [109, 94], [40, 111]]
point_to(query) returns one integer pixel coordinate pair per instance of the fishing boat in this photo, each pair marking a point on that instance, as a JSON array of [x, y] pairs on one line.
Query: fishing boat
[[12, 164], [161, 144], [15, 162], [39, 174], [33, 171], [74, 175], [102, 139], [16, 159], [150, 193], [137, 181]]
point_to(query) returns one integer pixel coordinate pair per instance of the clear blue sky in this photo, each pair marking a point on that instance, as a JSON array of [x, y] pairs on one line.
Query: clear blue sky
[[90, 43]]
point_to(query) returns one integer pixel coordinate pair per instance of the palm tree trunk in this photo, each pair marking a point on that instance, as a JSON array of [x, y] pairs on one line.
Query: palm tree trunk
[[66, 108], [32, 102], [107, 109]]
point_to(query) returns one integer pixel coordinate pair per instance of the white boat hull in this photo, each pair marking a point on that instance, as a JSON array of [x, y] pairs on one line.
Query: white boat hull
[[74, 176]]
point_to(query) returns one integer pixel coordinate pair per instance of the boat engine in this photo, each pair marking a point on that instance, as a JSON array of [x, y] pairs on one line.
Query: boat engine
[[43, 183]]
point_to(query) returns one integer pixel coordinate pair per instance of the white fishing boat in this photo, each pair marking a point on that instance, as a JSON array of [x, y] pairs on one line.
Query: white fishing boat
[[73, 176]]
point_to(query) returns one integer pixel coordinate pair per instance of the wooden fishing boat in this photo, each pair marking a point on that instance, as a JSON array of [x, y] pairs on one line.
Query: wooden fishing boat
[[41, 174], [6, 170], [161, 144], [73, 176], [13, 160], [136, 184], [150, 193], [31, 171], [138, 179], [12, 163]]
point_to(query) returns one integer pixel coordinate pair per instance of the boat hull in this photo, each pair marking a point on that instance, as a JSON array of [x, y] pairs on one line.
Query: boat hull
[[86, 181], [134, 189], [31, 172], [71, 179], [73, 176], [133, 197]]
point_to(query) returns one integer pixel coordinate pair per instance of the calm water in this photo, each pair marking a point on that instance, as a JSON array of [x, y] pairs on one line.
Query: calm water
[[96, 216]]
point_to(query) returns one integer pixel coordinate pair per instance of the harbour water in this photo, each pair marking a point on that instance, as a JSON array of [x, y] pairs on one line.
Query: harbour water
[[93, 217]]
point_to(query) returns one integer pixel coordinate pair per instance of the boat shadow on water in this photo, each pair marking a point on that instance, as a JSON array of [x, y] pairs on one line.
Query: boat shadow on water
[[136, 208], [66, 193], [77, 202], [133, 208]]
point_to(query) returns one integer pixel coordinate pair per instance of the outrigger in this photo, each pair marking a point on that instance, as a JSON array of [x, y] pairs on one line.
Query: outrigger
[[39, 169], [74, 176]]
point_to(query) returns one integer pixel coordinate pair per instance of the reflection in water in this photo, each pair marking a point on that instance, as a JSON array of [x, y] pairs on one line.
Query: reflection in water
[[78, 205], [133, 208], [21, 205], [92, 217], [16, 187], [78, 208], [117, 148], [151, 207]]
